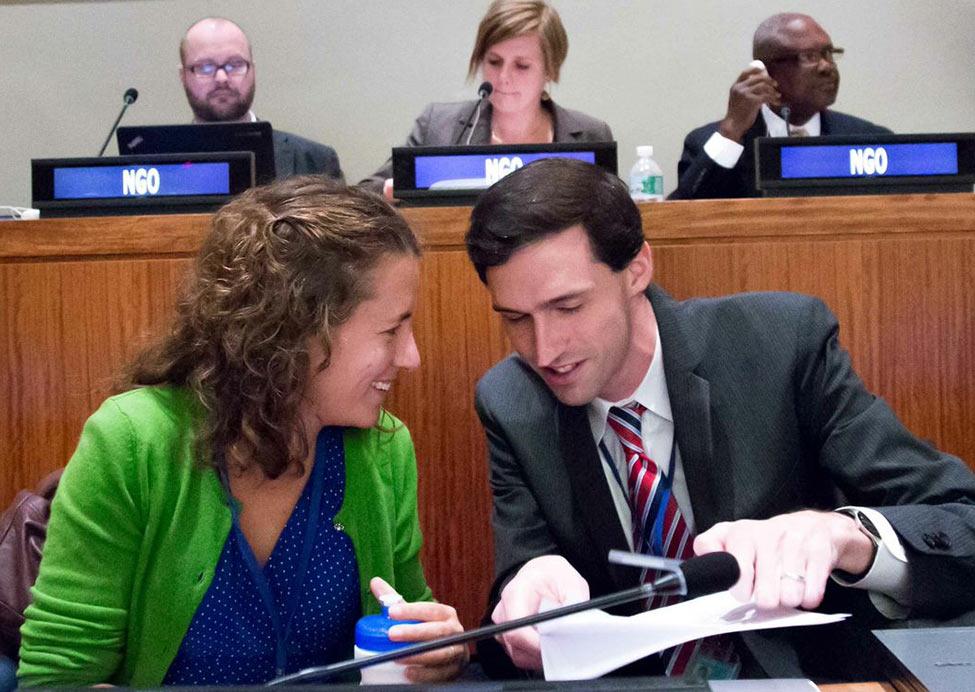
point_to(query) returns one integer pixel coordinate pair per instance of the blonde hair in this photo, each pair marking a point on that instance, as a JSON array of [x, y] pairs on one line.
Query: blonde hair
[[507, 19]]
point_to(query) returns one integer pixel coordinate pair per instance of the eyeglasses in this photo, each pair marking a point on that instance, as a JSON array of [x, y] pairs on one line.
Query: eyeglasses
[[208, 70], [811, 58]]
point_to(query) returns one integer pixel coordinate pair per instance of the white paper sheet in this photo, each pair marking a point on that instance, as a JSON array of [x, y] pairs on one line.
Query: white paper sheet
[[592, 643]]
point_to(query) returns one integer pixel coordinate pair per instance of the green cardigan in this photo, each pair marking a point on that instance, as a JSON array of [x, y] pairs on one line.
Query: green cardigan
[[137, 528]]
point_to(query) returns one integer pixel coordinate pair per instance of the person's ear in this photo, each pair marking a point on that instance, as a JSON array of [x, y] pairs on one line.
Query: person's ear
[[640, 270]]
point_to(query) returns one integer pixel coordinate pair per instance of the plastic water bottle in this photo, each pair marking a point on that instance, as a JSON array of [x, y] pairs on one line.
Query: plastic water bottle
[[646, 178], [372, 638]]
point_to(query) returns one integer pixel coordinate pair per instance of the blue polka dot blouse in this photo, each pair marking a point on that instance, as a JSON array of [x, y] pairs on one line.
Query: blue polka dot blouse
[[234, 639]]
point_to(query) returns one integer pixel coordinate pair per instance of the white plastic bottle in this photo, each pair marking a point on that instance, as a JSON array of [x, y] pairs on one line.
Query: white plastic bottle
[[646, 178], [372, 638]]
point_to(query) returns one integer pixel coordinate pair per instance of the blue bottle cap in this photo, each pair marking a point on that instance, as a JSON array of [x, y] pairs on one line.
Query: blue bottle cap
[[372, 632]]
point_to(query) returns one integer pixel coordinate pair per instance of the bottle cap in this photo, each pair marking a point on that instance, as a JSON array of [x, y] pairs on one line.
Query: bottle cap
[[644, 151], [372, 632], [390, 599]]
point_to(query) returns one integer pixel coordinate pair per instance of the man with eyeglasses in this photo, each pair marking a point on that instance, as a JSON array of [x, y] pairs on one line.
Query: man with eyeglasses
[[218, 74], [797, 80]]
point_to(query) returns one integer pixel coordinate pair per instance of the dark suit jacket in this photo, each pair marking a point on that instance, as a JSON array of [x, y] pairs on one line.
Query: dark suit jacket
[[699, 177], [443, 124], [294, 155], [770, 418]]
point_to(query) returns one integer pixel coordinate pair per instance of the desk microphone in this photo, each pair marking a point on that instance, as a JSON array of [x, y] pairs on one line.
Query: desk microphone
[[786, 114], [483, 92], [695, 577], [128, 98]]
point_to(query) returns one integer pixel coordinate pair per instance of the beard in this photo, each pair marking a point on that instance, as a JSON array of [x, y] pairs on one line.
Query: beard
[[221, 104]]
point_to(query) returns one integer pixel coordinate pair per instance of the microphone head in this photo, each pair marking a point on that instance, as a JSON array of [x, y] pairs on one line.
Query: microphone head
[[485, 89], [710, 573], [130, 95]]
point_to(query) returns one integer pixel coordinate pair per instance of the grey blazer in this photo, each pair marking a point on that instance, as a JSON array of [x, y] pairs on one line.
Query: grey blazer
[[294, 155], [443, 124], [770, 418]]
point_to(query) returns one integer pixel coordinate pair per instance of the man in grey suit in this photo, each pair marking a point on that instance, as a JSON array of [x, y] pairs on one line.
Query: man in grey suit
[[794, 78], [218, 75], [778, 453]]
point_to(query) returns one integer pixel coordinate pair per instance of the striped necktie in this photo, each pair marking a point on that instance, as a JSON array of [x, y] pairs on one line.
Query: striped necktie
[[658, 525], [659, 529]]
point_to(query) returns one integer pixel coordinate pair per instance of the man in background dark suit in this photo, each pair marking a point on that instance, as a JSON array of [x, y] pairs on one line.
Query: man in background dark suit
[[799, 79], [218, 75], [778, 452]]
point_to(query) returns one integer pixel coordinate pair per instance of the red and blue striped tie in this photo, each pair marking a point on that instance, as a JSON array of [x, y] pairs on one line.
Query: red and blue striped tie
[[658, 525]]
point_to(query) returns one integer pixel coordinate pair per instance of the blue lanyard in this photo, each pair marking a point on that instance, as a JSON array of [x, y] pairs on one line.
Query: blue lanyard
[[282, 625], [663, 492]]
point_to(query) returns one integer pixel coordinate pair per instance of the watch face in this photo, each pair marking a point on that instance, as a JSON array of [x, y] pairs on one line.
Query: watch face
[[867, 527]]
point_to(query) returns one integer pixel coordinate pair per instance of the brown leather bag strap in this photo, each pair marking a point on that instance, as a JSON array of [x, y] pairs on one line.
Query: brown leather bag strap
[[23, 528]]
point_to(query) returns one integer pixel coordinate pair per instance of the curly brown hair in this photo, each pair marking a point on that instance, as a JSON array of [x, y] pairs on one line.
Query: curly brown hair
[[282, 263]]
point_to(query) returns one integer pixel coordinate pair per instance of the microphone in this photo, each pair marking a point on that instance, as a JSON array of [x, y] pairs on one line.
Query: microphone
[[701, 576], [695, 577], [128, 98], [483, 92], [786, 114]]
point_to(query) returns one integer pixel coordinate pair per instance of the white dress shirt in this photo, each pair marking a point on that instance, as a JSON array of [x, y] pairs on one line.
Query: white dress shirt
[[726, 152], [657, 432]]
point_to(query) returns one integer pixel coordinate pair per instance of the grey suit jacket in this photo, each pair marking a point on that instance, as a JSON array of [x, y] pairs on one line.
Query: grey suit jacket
[[443, 124], [700, 177], [770, 418], [295, 155]]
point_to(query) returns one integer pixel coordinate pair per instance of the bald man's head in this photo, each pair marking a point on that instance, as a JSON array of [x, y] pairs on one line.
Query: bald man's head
[[779, 31], [797, 52], [215, 42]]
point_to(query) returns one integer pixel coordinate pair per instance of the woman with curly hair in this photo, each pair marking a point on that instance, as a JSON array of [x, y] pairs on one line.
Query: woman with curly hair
[[228, 518]]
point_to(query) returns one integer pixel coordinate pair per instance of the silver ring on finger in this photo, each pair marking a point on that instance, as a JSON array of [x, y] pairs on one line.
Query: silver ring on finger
[[794, 577]]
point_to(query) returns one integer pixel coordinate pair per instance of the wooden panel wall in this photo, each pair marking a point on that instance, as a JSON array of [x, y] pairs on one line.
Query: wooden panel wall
[[79, 296], [899, 272]]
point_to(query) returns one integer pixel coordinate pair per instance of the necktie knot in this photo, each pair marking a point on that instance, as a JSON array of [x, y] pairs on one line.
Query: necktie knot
[[626, 423], [636, 408]]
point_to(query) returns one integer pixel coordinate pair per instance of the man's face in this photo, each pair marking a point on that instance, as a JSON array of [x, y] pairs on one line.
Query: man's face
[[219, 97], [807, 87], [572, 318]]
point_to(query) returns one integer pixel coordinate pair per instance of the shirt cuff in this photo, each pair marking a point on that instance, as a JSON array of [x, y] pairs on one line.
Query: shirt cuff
[[888, 579], [723, 151]]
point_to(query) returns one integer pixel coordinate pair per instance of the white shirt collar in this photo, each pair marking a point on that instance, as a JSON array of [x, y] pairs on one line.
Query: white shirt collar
[[776, 125], [651, 392]]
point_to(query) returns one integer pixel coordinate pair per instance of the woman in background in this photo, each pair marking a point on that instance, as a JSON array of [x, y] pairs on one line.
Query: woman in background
[[230, 517], [519, 48]]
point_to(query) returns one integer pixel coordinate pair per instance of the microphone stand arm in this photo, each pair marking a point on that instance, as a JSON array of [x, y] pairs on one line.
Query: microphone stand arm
[[607, 601], [111, 132]]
